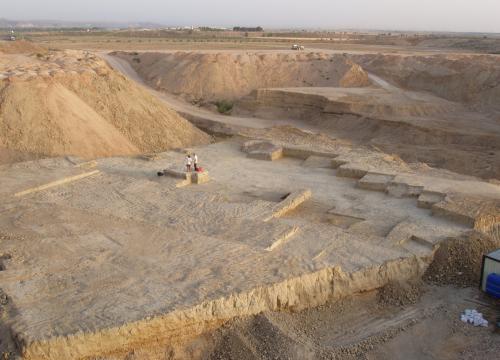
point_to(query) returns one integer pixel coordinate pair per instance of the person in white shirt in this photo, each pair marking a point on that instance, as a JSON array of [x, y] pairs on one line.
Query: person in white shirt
[[195, 162], [189, 161]]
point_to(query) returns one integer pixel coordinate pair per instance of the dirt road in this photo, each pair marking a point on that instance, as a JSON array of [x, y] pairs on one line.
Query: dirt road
[[383, 84]]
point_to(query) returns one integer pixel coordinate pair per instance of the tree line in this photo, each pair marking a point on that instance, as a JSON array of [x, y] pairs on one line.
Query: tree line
[[248, 29]]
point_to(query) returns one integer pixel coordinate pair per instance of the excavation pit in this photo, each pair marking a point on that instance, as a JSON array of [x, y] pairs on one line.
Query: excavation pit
[[115, 261]]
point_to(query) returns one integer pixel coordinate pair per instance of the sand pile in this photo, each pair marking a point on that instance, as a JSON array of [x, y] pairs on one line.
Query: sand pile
[[458, 261], [217, 76], [470, 79], [355, 77], [73, 103]]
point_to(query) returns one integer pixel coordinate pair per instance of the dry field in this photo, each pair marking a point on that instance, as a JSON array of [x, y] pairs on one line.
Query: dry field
[[220, 40], [348, 195]]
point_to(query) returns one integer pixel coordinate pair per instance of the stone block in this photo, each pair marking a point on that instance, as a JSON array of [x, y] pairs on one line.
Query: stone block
[[271, 155], [351, 171], [200, 177], [401, 190], [429, 198], [375, 182], [337, 162], [304, 153], [315, 161]]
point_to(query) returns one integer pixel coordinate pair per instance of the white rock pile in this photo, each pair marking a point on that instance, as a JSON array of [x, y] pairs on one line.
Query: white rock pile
[[473, 317]]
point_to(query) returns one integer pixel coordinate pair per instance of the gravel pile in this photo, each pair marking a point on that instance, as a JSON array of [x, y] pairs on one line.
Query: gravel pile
[[400, 294], [458, 261]]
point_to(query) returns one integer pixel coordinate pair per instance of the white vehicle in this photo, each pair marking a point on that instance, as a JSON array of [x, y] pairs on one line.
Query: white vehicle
[[297, 47]]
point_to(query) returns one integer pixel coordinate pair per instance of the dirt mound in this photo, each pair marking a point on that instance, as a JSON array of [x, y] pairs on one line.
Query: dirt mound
[[20, 47], [255, 338], [400, 294], [72, 103], [355, 77], [231, 75], [458, 261]]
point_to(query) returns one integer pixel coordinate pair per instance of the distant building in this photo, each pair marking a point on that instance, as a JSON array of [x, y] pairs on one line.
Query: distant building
[[12, 36]]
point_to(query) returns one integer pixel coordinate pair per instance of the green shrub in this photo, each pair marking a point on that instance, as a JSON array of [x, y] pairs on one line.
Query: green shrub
[[224, 106]]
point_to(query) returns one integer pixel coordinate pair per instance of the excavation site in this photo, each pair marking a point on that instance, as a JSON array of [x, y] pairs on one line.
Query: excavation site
[[235, 201]]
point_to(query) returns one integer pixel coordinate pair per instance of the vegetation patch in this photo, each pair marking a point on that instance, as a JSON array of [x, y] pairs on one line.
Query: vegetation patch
[[224, 106]]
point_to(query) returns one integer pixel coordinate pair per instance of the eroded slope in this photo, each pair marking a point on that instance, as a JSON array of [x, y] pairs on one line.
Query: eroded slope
[[213, 76]]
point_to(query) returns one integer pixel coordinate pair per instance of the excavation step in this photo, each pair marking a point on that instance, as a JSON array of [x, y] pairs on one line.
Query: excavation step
[[314, 161], [262, 150], [375, 182], [269, 155], [400, 190], [291, 202], [428, 198], [351, 171], [303, 153]]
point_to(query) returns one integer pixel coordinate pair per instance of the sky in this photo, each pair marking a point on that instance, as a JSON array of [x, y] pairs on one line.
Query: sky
[[420, 15]]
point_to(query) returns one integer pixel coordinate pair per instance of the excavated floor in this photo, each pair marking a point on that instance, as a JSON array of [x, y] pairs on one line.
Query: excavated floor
[[127, 255], [386, 102]]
